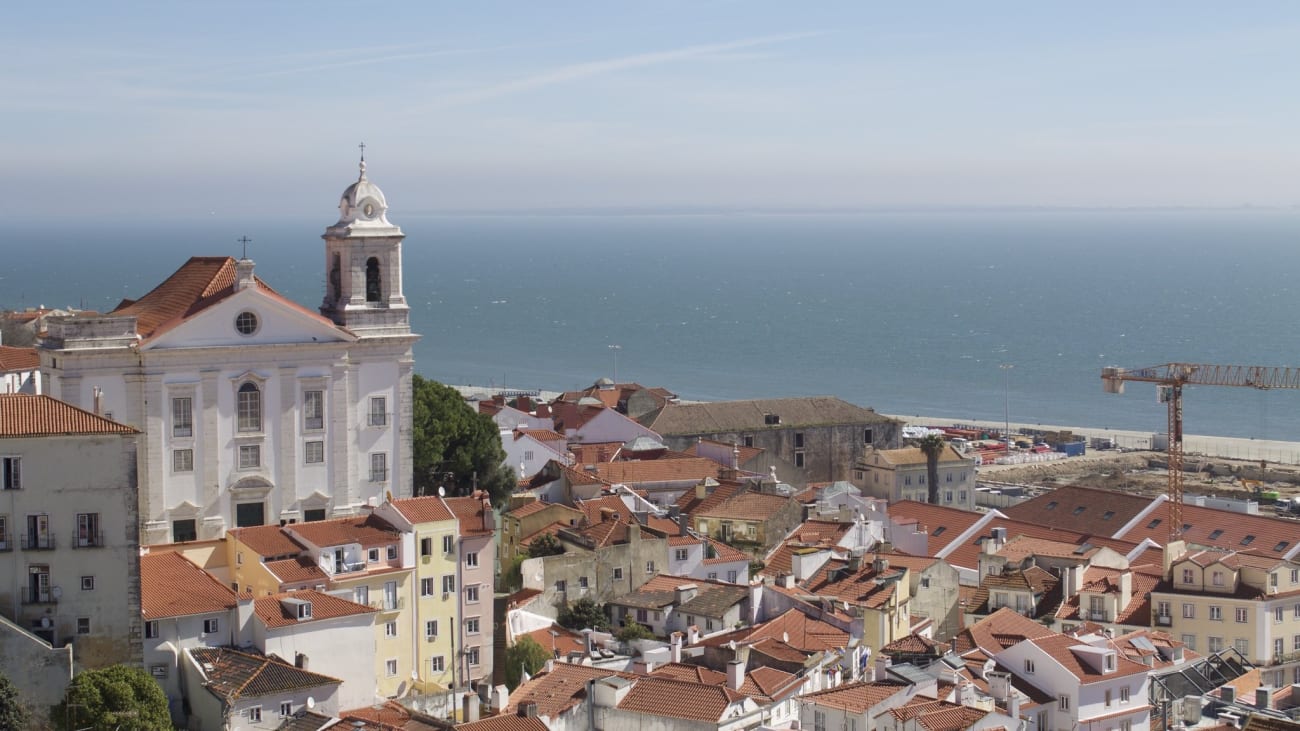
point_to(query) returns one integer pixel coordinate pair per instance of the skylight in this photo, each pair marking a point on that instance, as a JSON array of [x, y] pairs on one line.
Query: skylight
[[1080, 509], [1280, 546], [1153, 524], [1051, 505], [1247, 540], [1109, 514], [939, 531], [1216, 533]]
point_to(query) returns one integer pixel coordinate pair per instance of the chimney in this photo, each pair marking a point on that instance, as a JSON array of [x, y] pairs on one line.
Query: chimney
[[1174, 550], [965, 693], [244, 275], [1264, 698], [489, 523], [735, 456], [244, 616], [735, 674], [692, 635], [675, 647], [880, 565], [701, 491], [1228, 694], [543, 412], [524, 404], [1067, 586], [586, 641], [685, 593], [471, 703], [1125, 589], [1013, 705], [786, 581], [683, 524], [99, 401], [527, 710]]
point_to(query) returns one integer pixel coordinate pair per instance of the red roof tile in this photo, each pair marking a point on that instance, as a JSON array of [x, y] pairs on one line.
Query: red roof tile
[[296, 570], [428, 509], [1058, 647], [232, 674], [27, 415], [323, 606], [657, 470], [471, 512], [268, 541], [1265, 535], [1081, 509], [990, 633], [18, 359], [368, 530], [676, 699], [748, 506], [943, 524], [857, 697], [172, 586]]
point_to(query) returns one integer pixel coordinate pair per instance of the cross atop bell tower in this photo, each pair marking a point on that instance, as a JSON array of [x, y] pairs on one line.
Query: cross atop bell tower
[[363, 261]]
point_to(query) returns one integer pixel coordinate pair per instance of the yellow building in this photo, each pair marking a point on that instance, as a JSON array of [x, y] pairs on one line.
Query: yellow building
[[1214, 600], [881, 594], [435, 531], [362, 558]]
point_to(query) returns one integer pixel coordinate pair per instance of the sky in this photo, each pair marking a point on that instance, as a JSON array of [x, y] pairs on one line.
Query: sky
[[191, 109]]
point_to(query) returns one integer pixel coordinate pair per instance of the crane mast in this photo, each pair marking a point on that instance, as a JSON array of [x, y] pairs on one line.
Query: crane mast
[[1170, 379]]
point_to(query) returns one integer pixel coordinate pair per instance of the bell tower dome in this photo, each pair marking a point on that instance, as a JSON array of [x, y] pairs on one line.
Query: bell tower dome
[[363, 264]]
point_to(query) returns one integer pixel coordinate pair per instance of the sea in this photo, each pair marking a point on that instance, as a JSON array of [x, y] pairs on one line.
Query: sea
[[909, 312]]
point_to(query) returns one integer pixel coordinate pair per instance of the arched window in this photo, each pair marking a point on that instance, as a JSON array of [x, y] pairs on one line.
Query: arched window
[[372, 280], [250, 407]]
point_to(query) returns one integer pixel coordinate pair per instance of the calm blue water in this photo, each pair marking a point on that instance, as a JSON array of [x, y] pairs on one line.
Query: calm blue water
[[905, 312]]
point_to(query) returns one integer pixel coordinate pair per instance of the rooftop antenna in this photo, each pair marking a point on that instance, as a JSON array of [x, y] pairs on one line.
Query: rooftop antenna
[[244, 240]]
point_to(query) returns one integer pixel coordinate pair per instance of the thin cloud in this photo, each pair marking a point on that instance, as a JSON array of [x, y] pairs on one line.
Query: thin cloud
[[577, 72]]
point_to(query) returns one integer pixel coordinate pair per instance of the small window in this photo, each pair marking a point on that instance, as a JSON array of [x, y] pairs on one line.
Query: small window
[[1153, 524], [1247, 540], [471, 559], [939, 531], [249, 408], [1079, 510], [431, 628], [372, 555], [255, 714], [250, 456], [183, 417], [798, 440], [749, 440], [582, 582], [390, 629], [378, 411], [11, 473], [448, 583], [437, 664], [426, 587], [184, 530], [313, 410], [867, 436], [313, 515], [1063, 703], [1281, 546], [561, 586], [649, 567], [392, 553], [1108, 515], [471, 594], [304, 610], [798, 459], [1052, 505], [211, 626], [379, 467], [182, 460], [286, 709], [1029, 665], [426, 546], [448, 543], [83, 625], [390, 667], [314, 452], [618, 573], [1214, 534], [473, 656], [151, 630], [471, 626], [87, 583], [1243, 614]]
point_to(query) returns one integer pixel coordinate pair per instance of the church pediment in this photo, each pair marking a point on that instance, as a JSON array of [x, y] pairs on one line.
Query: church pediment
[[250, 317]]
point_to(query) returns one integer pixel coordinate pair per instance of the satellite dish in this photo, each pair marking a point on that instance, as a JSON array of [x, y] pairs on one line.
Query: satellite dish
[[311, 703], [46, 623], [442, 491]]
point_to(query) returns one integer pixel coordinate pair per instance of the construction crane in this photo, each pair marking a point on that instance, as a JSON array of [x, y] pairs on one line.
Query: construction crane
[[1170, 379]]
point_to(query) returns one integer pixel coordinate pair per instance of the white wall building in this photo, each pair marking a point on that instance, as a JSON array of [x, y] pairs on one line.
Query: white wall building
[[255, 409], [322, 633], [900, 474]]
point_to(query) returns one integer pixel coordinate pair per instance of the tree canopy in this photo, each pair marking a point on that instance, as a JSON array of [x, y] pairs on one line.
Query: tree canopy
[[634, 631], [112, 697], [545, 545], [524, 656], [454, 446], [932, 445], [583, 614], [13, 714]]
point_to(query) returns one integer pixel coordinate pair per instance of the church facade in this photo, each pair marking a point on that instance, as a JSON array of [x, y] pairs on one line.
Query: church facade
[[254, 409]]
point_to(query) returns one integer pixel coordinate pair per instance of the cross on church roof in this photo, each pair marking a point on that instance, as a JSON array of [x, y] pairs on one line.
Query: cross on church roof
[[363, 159], [244, 240]]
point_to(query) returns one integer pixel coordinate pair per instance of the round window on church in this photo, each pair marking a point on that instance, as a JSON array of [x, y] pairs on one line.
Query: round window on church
[[246, 323]]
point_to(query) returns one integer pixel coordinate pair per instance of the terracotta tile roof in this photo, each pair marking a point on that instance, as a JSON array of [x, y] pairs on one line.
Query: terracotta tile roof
[[267, 541], [605, 533], [1082, 509], [1106, 581], [915, 644], [748, 506], [1057, 646], [745, 453], [564, 640], [368, 530], [522, 597], [690, 502], [512, 722], [28, 415], [200, 283], [1264, 535], [172, 586], [675, 699], [471, 512], [595, 452], [856, 697], [1023, 546], [428, 509], [236, 674], [274, 614], [388, 716], [763, 684], [573, 416], [1033, 579], [712, 598], [991, 633], [937, 715], [555, 692], [296, 570], [720, 417], [305, 721], [1158, 639], [541, 435], [657, 470], [967, 555], [793, 628], [528, 508], [944, 524], [860, 587], [722, 553], [604, 508], [18, 359]]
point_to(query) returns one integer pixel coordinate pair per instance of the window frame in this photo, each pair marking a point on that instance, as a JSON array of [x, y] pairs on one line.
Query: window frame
[[182, 417], [377, 417], [313, 410], [313, 451], [248, 408]]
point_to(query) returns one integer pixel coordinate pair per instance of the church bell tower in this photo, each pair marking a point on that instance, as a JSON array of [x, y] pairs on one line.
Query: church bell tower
[[363, 264]]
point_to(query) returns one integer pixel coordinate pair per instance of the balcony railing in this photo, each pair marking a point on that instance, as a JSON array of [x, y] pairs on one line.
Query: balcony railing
[[1164, 619], [348, 568], [89, 540], [33, 596], [389, 605], [1097, 616], [38, 542]]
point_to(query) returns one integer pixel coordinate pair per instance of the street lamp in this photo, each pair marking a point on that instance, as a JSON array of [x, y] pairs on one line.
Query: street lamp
[[1006, 401], [616, 348]]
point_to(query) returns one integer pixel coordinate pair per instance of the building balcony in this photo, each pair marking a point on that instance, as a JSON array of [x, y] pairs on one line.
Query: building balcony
[[389, 605], [89, 540], [1164, 620], [349, 568], [38, 542], [1098, 616], [32, 596]]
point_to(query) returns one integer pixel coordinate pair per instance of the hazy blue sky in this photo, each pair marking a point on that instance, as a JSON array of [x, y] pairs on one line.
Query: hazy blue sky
[[184, 108]]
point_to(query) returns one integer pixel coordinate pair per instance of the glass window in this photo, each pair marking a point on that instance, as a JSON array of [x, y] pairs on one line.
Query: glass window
[[379, 467], [182, 460], [184, 530], [246, 323], [312, 515], [250, 456], [426, 587], [151, 630], [314, 452], [250, 408], [11, 473], [182, 417], [1243, 614], [431, 628], [471, 593], [313, 409], [471, 626], [437, 664], [378, 411], [390, 667], [448, 583], [250, 514], [471, 559]]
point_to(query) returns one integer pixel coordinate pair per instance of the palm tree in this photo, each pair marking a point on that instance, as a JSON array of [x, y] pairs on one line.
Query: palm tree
[[933, 445]]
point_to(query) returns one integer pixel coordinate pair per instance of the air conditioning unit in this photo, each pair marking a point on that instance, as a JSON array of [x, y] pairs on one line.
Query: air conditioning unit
[[426, 559], [431, 638]]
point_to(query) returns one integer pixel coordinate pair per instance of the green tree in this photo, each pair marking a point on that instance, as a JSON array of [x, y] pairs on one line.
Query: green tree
[[932, 446], [13, 332], [583, 614], [118, 696], [545, 545], [454, 446], [524, 656], [13, 714], [633, 631]]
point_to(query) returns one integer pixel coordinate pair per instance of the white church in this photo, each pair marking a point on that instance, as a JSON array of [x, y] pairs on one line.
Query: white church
[[254, 409]]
